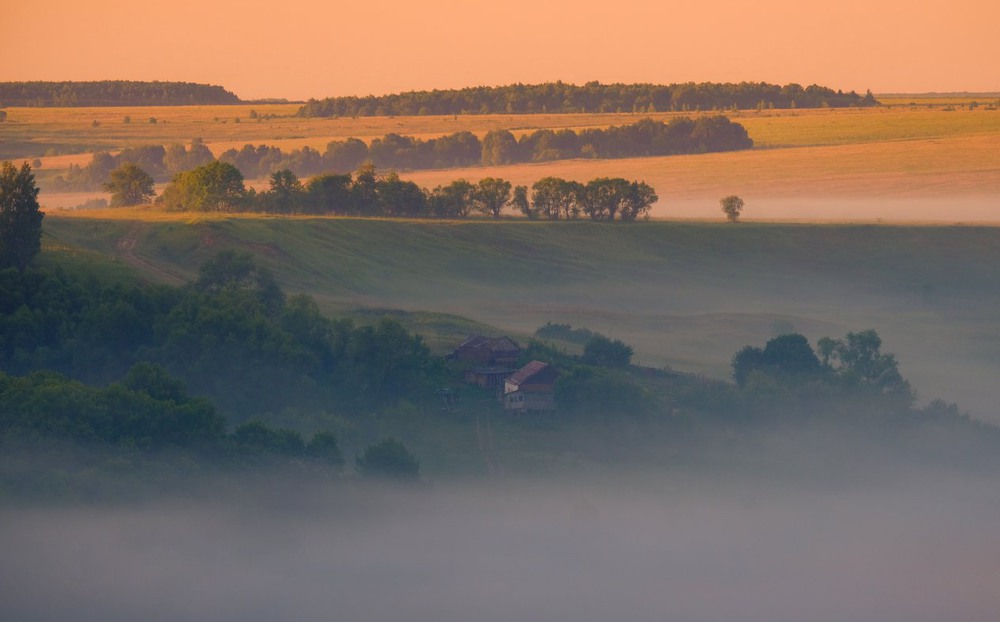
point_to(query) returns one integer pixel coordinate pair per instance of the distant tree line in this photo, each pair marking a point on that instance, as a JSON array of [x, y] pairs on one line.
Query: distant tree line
[[159, 162], [393, 151], [112, 93], [647, 137], [219, 186], [559, 97]]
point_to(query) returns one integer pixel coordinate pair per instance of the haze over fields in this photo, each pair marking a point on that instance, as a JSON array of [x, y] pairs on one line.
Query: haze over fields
[[663, 490]]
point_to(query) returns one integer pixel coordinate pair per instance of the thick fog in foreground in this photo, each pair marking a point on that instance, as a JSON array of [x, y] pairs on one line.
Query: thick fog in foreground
[[926, 549]]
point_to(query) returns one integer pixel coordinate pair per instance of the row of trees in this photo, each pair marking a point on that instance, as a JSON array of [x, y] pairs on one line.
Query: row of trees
[[112, 93], [645, 138], [160, 162], [559, 97], [219, 186]]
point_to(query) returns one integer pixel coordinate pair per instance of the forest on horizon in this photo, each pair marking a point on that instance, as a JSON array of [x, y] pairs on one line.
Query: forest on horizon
[[551, 97]]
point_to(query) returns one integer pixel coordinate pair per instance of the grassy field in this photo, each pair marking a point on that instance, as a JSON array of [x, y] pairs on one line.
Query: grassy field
[[687, 295]]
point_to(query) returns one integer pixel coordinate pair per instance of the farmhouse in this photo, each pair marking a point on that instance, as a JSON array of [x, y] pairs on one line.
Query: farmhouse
[[531, 389], [487, 351]]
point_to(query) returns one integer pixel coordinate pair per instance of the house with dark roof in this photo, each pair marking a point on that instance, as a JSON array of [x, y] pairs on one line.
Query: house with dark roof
[[485, 351], [531, 389]]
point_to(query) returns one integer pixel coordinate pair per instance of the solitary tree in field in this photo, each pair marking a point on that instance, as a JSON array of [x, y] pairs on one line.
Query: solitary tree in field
[[129, 185], [20, 216], [732, 206]]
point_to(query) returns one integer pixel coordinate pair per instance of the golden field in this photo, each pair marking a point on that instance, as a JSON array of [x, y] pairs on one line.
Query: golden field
[[938, 150]]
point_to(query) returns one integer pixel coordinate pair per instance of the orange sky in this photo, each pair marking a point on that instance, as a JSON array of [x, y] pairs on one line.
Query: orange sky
[[315, 48]]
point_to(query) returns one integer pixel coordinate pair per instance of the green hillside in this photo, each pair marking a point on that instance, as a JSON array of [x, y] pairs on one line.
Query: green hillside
[[687, 295]]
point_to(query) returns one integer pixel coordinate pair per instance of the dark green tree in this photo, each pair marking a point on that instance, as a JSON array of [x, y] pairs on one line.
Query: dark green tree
[[522, 204], [217, 186], [605, 352], [388, 459], [453, 200], [557, 198], [491, 195], [130, 185], [787, 357], [860, 361], [364, 190], [324, 446], [237, 275], [639, 198], [285, 194], [400, 198], [20, 216]]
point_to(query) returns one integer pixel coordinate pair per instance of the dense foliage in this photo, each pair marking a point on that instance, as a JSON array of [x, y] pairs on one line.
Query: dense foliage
[[644, 138], [112, 93], [129, 185], [559, 97], [160, 163], [20, 216], [232, 336], [219, 187]]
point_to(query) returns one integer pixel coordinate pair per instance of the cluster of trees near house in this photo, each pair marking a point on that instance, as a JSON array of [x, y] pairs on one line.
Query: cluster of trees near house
[[644, 138], [112, 93], [559, 97], [219, 187]]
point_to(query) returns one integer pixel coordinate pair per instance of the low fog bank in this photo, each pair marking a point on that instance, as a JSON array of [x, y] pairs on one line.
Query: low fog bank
[[921, 548], [930, 210]]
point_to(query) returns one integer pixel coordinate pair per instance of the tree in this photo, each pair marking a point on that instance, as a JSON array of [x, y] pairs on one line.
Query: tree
[[330, 192], [453, 200], [323, 446], [491, 195], [732, 206], [238, 275], [20, 216], [364, 190], [130, 185], [521, 203], [217, 186], [499, 147], [787, 357], [554, 198], [285, 194], [604, 352], [861, 362], [388, 459], [400, 198], [638, 201]]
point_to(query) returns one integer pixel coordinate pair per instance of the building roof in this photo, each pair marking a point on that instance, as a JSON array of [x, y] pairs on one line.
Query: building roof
[[535, 372], [474, 342]]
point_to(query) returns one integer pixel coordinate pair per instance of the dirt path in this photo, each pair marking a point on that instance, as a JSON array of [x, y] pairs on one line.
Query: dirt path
[[126, 251]]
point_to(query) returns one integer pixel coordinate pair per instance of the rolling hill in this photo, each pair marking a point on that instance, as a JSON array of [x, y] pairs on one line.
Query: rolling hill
[[687, 295]]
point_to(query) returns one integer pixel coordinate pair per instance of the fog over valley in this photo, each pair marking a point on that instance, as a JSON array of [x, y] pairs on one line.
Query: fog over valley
[[921, 547]]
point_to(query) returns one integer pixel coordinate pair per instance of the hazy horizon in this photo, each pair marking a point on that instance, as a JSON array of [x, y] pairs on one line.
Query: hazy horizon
[[320, 50]]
